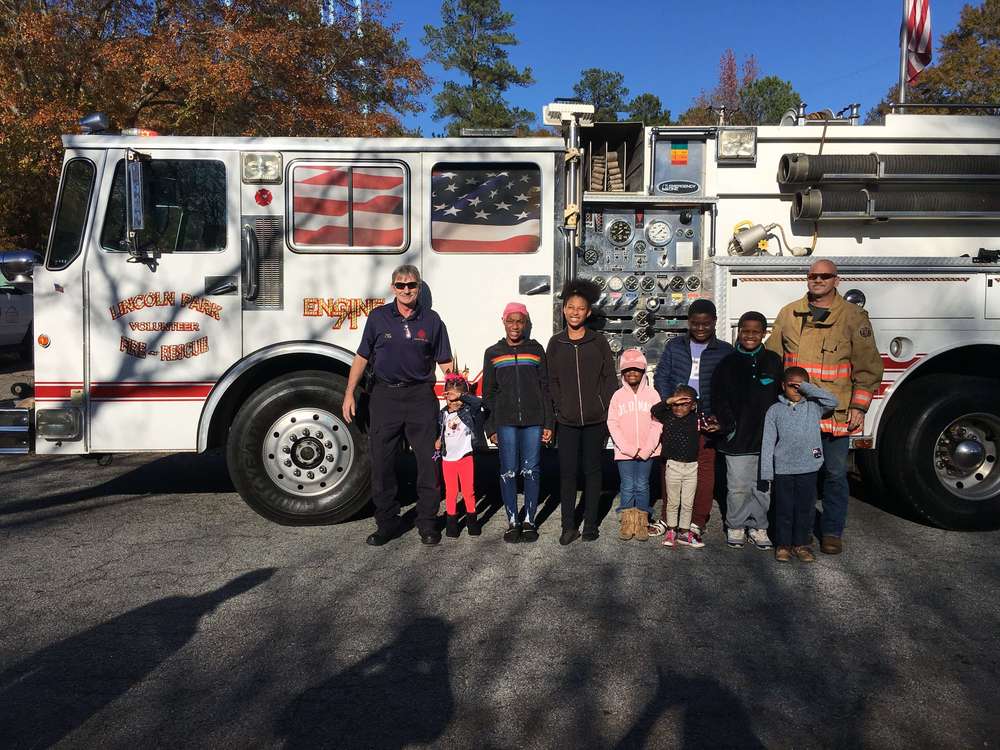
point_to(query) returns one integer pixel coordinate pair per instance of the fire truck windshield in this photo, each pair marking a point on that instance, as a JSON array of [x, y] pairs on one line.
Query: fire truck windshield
[[71, 214]]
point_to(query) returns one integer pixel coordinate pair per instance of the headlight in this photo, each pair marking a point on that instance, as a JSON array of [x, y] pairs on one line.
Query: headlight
[[737, 144], [262, 168]]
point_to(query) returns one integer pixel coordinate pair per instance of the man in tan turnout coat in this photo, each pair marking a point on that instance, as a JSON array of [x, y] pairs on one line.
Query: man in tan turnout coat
[[832, 340]]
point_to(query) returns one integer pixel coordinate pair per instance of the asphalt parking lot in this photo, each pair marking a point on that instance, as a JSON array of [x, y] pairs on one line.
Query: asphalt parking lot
[[143, 604]]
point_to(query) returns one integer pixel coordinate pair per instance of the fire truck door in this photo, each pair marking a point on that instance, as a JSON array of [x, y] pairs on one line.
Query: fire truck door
[[489, 242], [166, 324]]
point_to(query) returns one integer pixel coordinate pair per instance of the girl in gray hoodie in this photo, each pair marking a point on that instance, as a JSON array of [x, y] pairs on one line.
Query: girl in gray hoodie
[[791, 454]]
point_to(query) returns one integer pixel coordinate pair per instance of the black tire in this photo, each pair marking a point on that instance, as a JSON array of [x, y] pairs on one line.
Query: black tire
[[251, 432], [906, 450]]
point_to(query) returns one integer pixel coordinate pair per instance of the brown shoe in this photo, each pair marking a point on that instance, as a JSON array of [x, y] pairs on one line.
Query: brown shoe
[[641, 525], [831, 545], [782, 553], [627, 529], [804, 553]]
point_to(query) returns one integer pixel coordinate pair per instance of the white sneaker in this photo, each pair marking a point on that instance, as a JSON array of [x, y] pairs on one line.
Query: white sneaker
[[736, 537], [759, 539], [657, 528]]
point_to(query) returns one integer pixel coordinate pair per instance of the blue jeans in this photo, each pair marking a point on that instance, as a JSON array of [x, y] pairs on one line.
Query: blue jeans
[[835, 489], [634, 491], [520, 452]]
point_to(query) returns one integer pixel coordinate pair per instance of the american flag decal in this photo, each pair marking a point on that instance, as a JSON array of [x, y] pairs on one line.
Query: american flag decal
[[352, 206], [486, 210]]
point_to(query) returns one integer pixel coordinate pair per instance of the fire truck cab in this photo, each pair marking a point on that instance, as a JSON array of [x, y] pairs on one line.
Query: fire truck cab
[[211, 292]]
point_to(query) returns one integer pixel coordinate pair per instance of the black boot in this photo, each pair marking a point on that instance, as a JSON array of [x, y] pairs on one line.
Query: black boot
[[451, 526], [472, 524]]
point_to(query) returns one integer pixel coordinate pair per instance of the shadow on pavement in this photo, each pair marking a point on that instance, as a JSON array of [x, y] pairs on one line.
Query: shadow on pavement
[[397, 696], [51, 693]]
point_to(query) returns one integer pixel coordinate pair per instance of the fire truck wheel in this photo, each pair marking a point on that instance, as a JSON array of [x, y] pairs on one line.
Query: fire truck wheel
[[941, 451], [292, 457]]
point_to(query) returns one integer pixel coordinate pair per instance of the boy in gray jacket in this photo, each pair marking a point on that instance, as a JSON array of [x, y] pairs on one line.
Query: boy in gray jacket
[[791, 454]]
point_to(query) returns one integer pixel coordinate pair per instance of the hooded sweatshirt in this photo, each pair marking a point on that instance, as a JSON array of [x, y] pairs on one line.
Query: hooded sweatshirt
[[792, 443], [631, 425], [582, 378]]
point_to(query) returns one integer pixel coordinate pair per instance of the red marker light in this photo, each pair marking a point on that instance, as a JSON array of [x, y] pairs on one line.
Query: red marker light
[[263, 197], [139, 131]]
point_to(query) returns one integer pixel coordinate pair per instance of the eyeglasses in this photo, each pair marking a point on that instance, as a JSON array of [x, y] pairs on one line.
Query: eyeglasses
[[818, 276], [406, 284]]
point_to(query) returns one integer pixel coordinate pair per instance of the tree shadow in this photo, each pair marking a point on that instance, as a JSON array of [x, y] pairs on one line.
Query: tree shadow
[[710, 715], [54, 691], [397, 696]]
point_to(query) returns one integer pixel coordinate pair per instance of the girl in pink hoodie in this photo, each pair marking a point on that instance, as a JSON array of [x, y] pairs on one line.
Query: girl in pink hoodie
[[636, 436]]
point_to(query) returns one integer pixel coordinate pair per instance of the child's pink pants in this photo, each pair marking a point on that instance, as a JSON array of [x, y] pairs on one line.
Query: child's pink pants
[[459, 475]]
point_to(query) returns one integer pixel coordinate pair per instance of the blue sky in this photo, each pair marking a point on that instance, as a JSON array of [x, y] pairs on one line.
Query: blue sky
[[834, 53]]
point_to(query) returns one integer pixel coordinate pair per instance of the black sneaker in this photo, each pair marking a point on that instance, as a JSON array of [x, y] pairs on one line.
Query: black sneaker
[[451, 527], [513, 534], [529, 533], [473, 524], [568, 536], [591, 536]]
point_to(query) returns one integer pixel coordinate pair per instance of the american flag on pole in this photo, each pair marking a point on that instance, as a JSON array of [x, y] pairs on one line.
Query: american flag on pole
[[352, 206], [486, 210], [918, 37]]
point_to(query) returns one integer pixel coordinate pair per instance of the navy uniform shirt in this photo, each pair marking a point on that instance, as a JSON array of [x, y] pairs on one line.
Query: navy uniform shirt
[[405, 350]]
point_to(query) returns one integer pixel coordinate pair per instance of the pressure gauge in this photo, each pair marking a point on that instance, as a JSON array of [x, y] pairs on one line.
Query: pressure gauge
[[615, 284], [648, 283], [677, 283], [641, 335], [590, 256], [639, 246], [693, 282], [619, 232], [658, 232], [631, 283], [616, 344], [599, 282], [641, 319]]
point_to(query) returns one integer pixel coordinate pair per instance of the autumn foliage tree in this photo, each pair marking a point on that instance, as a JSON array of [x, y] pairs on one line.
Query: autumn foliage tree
[[193, 67], [725, 94]]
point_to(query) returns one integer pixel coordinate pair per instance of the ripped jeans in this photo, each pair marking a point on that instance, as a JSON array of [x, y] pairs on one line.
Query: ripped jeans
[[520, 454]]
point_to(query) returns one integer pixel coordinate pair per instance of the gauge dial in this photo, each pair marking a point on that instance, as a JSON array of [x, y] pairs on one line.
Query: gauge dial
[[641, 335], [600, 282], [619, 232], [693, 282], [639, 246], [641, 319], [616, 344], [590, 256], [658, 232], [677, 283], [615, 284], [631, 283], [648, 283]]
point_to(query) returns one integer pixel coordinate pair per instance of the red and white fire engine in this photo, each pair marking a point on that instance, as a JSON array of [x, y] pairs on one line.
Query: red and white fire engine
[[211, 292]]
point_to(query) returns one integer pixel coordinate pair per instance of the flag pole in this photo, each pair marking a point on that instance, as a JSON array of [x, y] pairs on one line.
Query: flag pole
[[903, 43]]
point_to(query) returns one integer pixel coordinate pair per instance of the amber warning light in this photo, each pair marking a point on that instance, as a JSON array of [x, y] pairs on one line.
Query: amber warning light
[[43, 341]]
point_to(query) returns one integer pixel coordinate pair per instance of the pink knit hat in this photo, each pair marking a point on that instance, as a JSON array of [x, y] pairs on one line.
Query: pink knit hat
[[515, 307], [632, 359]]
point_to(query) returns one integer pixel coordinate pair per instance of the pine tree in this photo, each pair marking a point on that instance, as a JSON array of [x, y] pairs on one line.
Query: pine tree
[[605, 89], [472, 39]]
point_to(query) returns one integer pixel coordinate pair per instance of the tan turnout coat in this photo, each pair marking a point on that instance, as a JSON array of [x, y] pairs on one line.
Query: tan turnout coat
[[840, 354]]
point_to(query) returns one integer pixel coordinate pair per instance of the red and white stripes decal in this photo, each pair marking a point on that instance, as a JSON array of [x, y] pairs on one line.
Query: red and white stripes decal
[[895, 369], [127, 390]]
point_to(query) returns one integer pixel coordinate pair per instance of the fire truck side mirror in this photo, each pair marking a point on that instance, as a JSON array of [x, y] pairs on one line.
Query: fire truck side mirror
[[136, 194]]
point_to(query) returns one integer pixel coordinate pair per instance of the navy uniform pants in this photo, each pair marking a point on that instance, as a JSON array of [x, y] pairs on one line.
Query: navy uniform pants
[[409, 410]]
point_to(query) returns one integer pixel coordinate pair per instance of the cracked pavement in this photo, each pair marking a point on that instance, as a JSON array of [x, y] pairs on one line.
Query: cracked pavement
[[143, 604]]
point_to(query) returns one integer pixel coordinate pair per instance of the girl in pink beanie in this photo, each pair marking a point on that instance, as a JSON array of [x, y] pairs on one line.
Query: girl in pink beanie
[[636, 436]]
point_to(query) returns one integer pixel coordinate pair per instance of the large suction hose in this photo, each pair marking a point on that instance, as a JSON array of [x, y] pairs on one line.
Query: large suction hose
[[812, 169]]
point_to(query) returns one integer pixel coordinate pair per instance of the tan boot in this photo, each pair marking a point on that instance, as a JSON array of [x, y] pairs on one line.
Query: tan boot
[[641, 525], [627, 529]]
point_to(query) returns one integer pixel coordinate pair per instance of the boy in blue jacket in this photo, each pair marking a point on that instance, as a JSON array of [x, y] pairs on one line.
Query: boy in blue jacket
[[691, 360], [791, 453]]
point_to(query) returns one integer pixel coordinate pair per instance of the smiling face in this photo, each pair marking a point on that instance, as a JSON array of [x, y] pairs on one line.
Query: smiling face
[[750, 335], [701, 327], [514, 325], [822, 281], [576, 310], [407, 296], [632, 376]]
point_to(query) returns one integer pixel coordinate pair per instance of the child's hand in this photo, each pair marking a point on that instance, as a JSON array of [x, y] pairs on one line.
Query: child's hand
[[437, 444], [546, 436]]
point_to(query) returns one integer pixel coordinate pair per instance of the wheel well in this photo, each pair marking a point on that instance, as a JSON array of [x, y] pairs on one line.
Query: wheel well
[[977, 360], [255, 377]]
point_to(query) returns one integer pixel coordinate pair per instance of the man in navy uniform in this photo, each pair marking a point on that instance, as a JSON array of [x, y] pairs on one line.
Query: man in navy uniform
[[405, 339]]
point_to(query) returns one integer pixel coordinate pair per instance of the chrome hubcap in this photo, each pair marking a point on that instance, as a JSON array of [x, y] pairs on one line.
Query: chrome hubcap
[[965, 456], [308, 451]]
